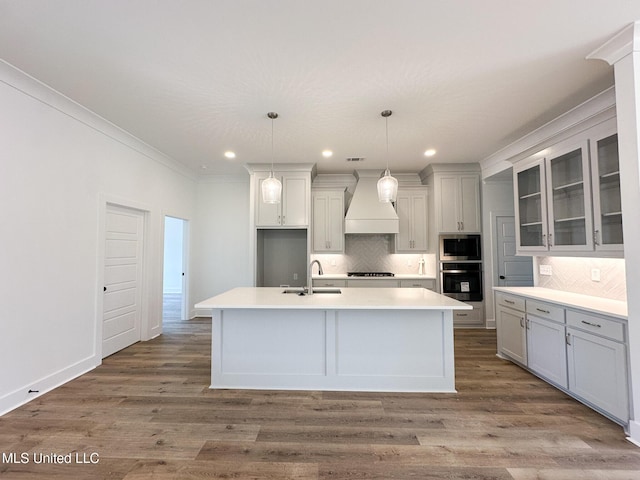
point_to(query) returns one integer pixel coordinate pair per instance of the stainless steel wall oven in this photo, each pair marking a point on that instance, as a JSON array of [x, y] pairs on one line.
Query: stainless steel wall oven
[[462, 281]]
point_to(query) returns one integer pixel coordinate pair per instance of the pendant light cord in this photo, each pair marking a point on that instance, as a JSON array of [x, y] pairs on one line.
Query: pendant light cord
[[386, 128], [272, 116], [386, 114]]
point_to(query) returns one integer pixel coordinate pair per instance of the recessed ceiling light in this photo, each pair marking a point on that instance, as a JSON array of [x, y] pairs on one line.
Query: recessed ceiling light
[[429, 153], [229, 154], [327, 153], [203, 167]]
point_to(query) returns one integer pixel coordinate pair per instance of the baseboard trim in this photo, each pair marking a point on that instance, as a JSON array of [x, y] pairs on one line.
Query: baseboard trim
[[21, 396]]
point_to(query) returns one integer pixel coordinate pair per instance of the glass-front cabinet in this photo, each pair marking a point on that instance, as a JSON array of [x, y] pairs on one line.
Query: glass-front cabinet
[[569, 190], [607, 210], [568, 196], [532, 207], [554, 200]]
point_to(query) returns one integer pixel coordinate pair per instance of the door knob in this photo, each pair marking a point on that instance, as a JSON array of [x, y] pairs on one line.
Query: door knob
[[502, 277], [104, 289]]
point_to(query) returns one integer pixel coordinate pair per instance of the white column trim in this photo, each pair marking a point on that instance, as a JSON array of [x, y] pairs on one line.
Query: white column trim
[[623, 52]]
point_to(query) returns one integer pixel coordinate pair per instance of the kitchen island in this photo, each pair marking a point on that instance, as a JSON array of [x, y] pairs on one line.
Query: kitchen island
[[365, 339]]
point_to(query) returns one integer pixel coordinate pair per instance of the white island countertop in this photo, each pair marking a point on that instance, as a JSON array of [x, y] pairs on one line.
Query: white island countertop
[[604, 306], [350, 298]]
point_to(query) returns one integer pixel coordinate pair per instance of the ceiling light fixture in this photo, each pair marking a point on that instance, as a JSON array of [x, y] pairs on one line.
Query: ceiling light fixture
[[271, 187], [429, 153], [229, 154], [327, 153], [387, 185]]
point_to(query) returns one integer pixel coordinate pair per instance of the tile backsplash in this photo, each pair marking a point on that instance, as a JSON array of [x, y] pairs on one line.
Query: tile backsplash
[[374, 253], [574, 275]]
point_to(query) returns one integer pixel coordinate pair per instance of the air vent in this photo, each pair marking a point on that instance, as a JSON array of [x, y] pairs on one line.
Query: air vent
[[355, 159]]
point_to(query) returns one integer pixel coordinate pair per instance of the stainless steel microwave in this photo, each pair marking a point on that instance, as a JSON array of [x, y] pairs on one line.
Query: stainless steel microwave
[[460, 247]]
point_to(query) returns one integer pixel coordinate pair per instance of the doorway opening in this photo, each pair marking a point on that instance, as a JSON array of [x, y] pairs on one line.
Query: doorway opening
[[174, 279], [512, 270]]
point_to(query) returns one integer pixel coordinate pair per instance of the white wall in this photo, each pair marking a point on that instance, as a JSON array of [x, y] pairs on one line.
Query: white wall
[[221, 238], [59, 164]]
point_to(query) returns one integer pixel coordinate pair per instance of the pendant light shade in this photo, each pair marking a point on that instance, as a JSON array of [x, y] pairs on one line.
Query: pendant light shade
[[271, 187], [387, 185], [387, 188]]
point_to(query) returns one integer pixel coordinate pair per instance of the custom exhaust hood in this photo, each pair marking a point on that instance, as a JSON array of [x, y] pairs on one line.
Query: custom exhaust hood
[[366, 214]]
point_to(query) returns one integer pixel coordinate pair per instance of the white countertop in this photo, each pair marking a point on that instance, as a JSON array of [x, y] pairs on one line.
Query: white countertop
[[398, 276], [350, 298], [604, 306]]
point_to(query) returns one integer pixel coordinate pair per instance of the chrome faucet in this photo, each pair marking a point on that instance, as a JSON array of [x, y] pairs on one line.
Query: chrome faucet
[[310, 280]]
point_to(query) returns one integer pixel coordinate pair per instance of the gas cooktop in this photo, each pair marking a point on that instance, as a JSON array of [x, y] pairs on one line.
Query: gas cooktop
[[370, 274]]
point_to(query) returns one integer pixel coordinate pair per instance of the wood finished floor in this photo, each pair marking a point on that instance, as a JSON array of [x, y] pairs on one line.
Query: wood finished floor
[[149, 414]]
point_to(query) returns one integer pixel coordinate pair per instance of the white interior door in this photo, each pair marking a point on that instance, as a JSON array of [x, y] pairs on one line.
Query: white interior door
[[121, 317], [513, 271]]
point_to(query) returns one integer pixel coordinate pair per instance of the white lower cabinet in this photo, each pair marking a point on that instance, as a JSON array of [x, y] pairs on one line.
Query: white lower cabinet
[[428, 283], [582, 353], [546, 354], [329, 283], [511, 328], [598, 372]]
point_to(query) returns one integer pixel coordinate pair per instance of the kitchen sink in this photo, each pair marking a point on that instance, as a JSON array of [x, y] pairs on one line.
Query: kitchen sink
[[303, 291]]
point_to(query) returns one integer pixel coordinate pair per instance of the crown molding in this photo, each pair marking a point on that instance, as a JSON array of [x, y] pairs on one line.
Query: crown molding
[[597, 109], [619, 46], [34, 88]]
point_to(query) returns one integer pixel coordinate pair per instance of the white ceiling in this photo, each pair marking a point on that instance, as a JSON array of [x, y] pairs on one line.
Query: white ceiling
[[194, 78]]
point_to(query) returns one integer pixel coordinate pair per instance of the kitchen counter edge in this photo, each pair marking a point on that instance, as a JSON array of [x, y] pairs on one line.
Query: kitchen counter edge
[[602, 306]]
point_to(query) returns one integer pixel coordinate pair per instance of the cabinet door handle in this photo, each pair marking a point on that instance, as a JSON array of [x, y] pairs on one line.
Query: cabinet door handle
[[543, 311], [550, 239], [544, 239], [522, 322], [510, 302], [568, 338], [462, 315], [596, 235], [461, 225], [283, 222], [528, 323], [591, 324]]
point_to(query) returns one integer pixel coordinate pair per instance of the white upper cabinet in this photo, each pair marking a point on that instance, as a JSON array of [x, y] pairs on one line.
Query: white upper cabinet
[[557, 210], [328, 221], [293, 209], [607, 209], [411, 206], [458, 203]]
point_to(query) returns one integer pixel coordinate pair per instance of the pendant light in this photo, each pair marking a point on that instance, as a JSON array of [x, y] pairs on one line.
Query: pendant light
[[387, 185], [271, 187]]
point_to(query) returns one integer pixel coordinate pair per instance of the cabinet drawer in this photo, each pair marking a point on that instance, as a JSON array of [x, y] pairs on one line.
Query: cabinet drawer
[[329, 283], [372, 283], [545, 310], [604, 327], [469, 318], [429, 284], [510, 301]]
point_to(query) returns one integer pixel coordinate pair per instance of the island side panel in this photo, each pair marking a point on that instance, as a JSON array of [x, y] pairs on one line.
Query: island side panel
[[365, 350], [268, 348], [395, 350]]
